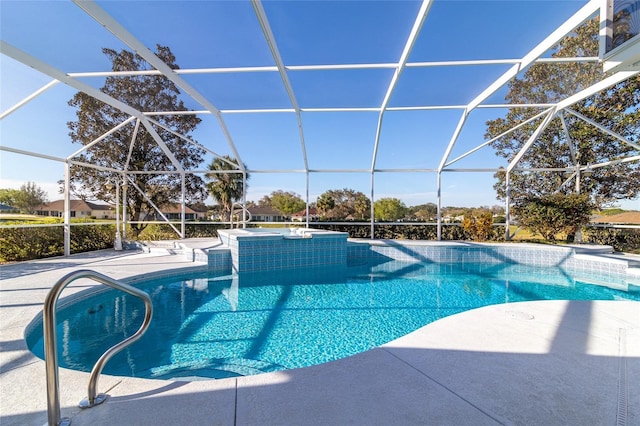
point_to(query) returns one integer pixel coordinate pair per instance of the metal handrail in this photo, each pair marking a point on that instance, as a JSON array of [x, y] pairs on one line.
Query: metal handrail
[[50, 342], [244, 209]]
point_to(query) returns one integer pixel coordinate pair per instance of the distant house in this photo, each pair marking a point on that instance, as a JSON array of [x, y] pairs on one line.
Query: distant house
[[301, 216], [85, 209], [78, 209], [453, 219], [265, 214], [174, 211]]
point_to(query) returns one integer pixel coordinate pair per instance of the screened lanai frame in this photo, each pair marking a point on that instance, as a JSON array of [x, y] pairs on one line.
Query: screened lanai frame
[[446, 163]]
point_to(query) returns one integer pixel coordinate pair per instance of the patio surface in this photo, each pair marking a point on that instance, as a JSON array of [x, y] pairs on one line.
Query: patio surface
[[528, 363]]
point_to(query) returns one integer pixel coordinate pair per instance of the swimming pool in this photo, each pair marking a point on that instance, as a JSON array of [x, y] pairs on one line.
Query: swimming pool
[[228, 325]]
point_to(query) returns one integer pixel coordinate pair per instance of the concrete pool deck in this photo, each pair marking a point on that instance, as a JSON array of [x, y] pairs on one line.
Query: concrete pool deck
[[528, 363]]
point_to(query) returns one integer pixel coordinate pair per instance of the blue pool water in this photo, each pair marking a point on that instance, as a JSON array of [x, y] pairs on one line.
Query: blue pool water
[[215, 327]]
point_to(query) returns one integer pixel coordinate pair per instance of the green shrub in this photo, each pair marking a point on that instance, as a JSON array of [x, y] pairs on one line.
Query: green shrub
[[354, 231], [18, 244], [158, 231], [196, 230], [626, 240], [92, 237], [479, 227], [163, 231], [499, 219], [549, 215], [410, 232]]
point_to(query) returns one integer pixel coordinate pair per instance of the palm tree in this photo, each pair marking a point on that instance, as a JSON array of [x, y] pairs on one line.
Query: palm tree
[[362, 206], [224, 185], [325, 204]]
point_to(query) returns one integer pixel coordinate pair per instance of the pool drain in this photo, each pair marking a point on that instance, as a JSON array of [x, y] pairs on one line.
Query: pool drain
[[623, 388]]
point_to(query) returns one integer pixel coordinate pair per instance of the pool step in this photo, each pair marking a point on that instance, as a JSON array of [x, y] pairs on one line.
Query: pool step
[[213, 369], [170, 247]]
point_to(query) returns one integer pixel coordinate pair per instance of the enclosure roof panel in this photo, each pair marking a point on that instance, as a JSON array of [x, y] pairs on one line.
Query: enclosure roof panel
[[303, 87]]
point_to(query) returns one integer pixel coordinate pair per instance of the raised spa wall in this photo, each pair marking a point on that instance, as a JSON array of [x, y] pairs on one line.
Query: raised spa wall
[[254, 250]]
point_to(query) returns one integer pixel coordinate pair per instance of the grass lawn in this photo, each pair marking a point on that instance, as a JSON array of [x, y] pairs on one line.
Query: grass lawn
[[524, 235], [16, 217]]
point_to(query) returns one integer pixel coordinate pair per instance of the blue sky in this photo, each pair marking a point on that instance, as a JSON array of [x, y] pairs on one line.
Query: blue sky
[[212, 34]]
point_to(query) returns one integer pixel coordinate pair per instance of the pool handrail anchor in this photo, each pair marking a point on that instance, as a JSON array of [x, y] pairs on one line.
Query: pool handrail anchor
[[50, 342], [243, 208]]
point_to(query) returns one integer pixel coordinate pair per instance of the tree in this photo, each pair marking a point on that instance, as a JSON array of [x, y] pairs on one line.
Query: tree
[[28, 197], [389, 209], [361, 206], [325, 204], [346, 203], [287, 203], [265, 201], [551, 214], [224, 185], [616, 108], [497, 210], [424, 212], [117, 151], [8, 196]]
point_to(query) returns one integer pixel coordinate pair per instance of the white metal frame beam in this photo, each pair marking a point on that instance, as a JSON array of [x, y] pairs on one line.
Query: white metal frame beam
[[399, 67], [551, 40], [275, 52], [102, 137], [603, 129], [49, 70], [331, 67], [113, 26], [29, 98], [471, 151], [579, 17], [134, 136], [273, 48], [565, 128], [534, 136], [573, 99]]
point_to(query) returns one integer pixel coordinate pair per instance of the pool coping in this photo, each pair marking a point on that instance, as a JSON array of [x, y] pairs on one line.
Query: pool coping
[[453, 371]]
